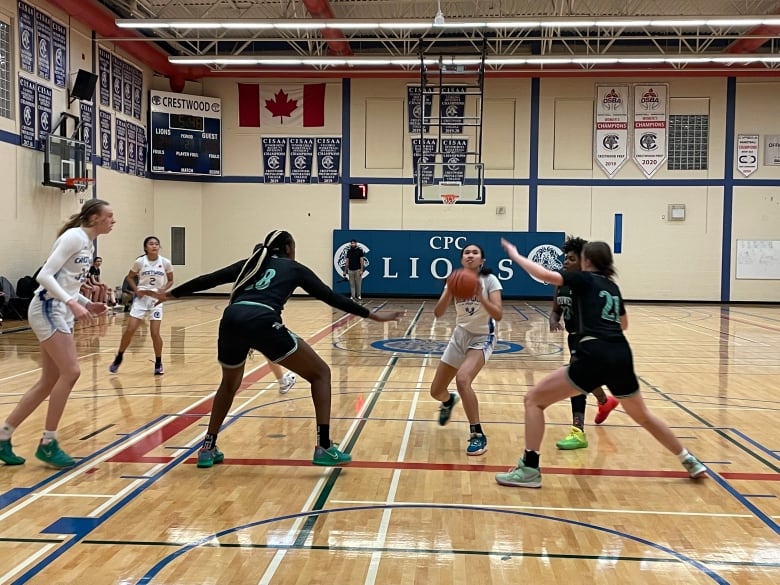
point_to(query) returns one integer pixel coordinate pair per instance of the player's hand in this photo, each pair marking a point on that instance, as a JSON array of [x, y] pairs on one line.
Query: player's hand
[[160, 296], [97, 308], [555, 325], [383, 316], [79, 313], [509, 247]]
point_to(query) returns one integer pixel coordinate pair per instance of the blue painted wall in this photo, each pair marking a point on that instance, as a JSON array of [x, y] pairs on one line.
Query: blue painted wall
[[401, 262]]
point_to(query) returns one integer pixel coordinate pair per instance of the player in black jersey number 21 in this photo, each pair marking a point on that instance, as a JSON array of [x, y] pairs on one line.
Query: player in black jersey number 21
[[253, 320], [603, 358]]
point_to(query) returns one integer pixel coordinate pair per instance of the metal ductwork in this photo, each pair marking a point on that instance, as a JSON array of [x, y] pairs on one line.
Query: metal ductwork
[[337, 42], [102, 21]]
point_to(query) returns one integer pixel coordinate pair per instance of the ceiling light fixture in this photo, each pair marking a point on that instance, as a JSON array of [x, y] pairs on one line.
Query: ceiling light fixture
[[470, 61], [439, 21]]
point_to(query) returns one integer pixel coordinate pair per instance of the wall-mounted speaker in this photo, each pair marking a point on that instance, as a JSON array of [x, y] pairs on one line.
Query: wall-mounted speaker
[[84, 86]]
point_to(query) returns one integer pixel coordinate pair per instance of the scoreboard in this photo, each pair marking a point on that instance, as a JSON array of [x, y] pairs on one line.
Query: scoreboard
[[185, 134]]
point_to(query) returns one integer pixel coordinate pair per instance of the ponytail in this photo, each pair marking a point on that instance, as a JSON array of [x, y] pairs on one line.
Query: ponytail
[[84, 217], [274, 244]]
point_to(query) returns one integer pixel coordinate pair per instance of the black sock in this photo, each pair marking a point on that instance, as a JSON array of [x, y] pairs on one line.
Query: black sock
[[157, 362], [323, 436], [450, 401], [210, 441], [578, 420], [118, 358], [477, 428], [531, 459]]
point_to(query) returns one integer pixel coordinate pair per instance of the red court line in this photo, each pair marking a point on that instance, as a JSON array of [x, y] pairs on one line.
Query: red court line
[[412, 466], [136, 453]]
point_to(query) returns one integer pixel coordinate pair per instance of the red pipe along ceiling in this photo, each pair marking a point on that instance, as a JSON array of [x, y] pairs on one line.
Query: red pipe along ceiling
[[102, 21], [337, 43], [750, 45]]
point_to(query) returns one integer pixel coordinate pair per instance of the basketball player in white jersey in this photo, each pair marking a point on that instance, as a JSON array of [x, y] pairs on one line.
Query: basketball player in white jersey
[[153, 273], [53, 310]]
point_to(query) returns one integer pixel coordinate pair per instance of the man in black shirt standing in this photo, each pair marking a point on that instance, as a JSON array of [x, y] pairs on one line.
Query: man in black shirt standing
[[354, 270]]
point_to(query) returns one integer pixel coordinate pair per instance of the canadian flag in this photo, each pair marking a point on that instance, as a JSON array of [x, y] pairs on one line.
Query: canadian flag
[[282, 106]]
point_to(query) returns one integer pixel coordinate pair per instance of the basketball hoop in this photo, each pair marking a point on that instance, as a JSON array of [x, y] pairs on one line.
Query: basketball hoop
[[79, 185], [448, 199]]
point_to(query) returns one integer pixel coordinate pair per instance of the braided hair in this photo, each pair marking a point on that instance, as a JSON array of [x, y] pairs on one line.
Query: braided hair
[[85, 216], [275, 244]]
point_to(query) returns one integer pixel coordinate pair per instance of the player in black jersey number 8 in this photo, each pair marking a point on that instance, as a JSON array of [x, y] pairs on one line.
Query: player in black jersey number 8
[[262, 284]]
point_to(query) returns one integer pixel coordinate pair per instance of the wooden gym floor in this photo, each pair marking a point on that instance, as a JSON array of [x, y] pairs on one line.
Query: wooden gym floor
[[412, 508]]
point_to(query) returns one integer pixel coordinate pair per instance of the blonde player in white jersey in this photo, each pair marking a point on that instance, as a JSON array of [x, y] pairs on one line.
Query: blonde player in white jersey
[[55, 306], [154, 273], [470, 347]]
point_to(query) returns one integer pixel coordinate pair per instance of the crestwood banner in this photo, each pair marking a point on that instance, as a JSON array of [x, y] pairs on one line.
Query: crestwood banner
[[651, 122], [611, 127]]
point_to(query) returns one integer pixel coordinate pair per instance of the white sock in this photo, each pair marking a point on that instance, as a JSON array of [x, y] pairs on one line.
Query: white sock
[[682, 455], [48, 437], [6, 431]]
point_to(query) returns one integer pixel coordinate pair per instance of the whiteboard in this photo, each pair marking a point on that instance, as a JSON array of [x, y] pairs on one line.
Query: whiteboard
[[758, 259]]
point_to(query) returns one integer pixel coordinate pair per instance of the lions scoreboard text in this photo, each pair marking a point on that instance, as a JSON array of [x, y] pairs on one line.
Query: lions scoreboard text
[[185, 134]]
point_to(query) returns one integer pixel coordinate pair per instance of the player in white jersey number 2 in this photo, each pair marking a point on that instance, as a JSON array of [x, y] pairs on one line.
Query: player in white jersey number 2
[[53, 310], [149, 273]]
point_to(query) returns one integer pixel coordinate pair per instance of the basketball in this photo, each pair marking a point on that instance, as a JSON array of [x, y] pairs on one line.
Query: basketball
[[463, 284]]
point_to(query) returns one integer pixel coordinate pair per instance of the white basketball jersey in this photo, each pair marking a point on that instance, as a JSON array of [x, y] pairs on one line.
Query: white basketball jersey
[[471, 315], [71, 257], [152, 274]]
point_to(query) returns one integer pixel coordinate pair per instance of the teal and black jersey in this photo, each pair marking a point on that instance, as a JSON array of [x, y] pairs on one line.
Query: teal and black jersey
[[597, 305], [271, 286], [565, 299]]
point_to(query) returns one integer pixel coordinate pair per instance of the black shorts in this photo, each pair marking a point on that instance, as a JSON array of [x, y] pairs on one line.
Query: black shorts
[[604, 363], [244, 327]]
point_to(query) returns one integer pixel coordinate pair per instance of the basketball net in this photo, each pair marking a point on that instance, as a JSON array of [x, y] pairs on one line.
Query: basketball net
[[449, 199]]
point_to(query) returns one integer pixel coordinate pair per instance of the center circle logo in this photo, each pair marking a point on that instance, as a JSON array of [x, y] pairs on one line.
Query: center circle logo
[[432, 346], [340, 258]]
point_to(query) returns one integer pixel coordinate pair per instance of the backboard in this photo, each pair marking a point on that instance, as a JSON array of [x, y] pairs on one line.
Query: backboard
[[64, 158], [443, 182]]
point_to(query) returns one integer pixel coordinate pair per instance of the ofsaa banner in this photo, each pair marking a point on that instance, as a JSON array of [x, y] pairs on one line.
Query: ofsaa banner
[[611, 127], [651, 120], [328, 158]]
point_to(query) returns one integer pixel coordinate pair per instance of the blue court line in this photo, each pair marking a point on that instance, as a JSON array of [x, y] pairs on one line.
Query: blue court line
[[517, 309], [206, 540], [15, 494], [82, 526], [763, 517], [756, 444]]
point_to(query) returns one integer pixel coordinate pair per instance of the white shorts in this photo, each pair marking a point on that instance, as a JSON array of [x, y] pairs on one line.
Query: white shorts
[[461, 341], [144, 307], [49, 316]]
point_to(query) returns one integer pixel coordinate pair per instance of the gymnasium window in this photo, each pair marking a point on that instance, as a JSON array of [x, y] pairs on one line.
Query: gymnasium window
[[688, 142], [5, 69]]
